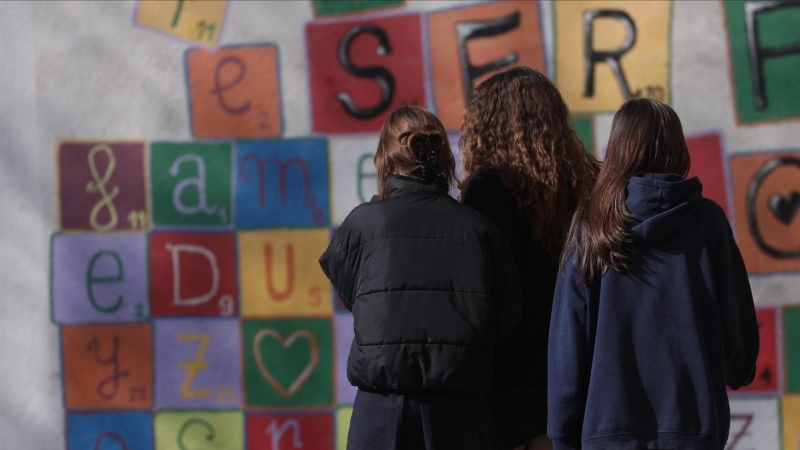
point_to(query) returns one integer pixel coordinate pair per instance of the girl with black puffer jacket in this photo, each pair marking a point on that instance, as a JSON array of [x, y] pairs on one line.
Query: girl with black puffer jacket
[[433, 287]]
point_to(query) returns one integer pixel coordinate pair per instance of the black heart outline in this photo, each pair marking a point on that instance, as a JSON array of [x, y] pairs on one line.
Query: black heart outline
[[785, 208], [752, 193]]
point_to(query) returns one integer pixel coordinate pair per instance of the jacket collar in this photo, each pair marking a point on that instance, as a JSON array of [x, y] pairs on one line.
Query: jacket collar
[[400, 186]]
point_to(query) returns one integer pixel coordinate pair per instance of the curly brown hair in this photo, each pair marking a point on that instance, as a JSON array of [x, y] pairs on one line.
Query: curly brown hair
[[517, 127]]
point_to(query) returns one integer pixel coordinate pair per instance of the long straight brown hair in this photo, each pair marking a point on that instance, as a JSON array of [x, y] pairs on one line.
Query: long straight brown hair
[[646, 137]]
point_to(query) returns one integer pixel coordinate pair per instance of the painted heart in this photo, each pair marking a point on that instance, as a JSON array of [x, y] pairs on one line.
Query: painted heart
[[785, 208], [286, 343]]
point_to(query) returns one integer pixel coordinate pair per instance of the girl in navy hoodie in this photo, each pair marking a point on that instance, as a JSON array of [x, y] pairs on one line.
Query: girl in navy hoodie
[[653, 314]]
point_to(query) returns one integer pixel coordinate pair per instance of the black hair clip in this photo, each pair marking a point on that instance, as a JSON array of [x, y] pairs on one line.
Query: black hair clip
[[422, 145], [427, 156]]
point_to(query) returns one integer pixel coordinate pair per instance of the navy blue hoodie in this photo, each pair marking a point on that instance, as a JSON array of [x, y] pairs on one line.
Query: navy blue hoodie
[[640, 359]]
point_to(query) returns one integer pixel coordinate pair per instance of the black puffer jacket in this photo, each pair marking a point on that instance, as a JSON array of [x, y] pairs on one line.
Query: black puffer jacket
[[432, 286]]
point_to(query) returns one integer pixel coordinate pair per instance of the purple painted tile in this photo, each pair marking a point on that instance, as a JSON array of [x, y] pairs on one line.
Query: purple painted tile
[[99, 278], [198, 363], [343, 336]]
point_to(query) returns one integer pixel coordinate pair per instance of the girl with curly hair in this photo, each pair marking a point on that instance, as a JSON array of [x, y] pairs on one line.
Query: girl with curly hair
[[527, 171]]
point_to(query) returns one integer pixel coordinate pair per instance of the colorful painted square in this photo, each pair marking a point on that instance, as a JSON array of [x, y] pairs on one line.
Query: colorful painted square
[[102, 186], [766, 204], [584, 128], [191, 183], [343, 338], [791, 422], [234, 92], [280, 273], [107, 366], [99, 278], [133, 430], [206, 430], [609, 51], [754, 424], [767, 370], [706, 153], [193, 274], [354, 179], [282, 183], [198, 363], [343, 426], [194, 20], [469, 44], [339, 7], [288, 362], [791, 348], [764, 65], [290, 432], [361, 70]]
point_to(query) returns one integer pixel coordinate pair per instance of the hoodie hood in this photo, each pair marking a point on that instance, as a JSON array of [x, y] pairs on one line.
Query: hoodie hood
[[661, 203]]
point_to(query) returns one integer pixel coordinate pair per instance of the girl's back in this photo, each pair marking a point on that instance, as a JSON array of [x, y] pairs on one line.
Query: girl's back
[[526, 170], [663, 337], [653, 315], [429, 283], [432, 287]]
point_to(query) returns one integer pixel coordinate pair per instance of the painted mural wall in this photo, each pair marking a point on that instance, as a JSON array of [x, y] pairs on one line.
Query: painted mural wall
[[172, 170]]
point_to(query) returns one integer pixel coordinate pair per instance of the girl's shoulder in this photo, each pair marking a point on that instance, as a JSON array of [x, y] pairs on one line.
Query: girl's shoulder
[[482, 176], [715, 221], [712, 211], [360, 214], [349, 234], [484, 183]]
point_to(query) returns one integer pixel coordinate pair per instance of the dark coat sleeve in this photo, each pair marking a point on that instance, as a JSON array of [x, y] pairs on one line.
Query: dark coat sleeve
[[568, 362], [487, 195], [340, 269], [737, 311]]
